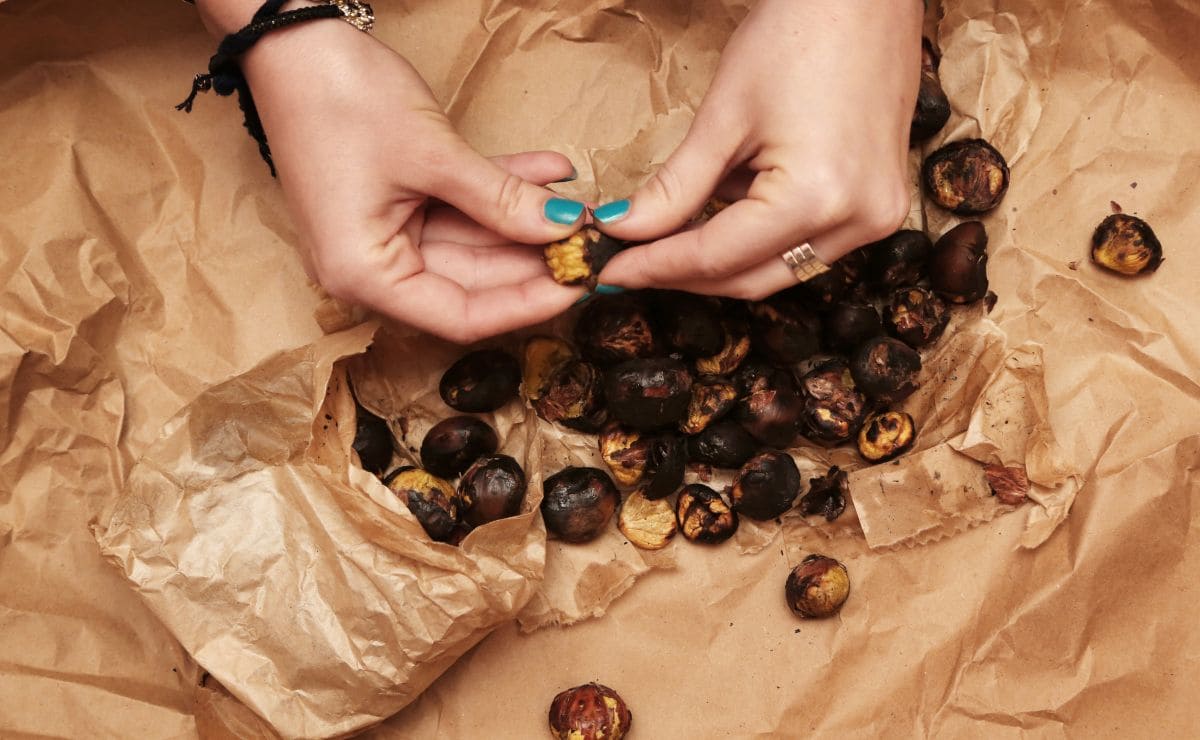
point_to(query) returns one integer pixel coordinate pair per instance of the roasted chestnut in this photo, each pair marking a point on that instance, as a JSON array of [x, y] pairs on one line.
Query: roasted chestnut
[[933, 107], [817, 587], [704, 515], [712, 399], [454, 444], [542, 355], [725, 444], [784, 331], [574, 397], [647, 523], [966, 177], [579, 259], [589, 712], [689, 324], [886, 435], [665, 466], [734, 348], [958, 271], [433, 501], [493, 488], [614, 329], [822, 292], [372, 441], [849, 324], [1127, 245], [772, 408], [900, 260], [766, 486], [886, 369], [578, 502], [626, 452], [648, 394], [833, 407], [827, 494], [481, 381], [917, 316]]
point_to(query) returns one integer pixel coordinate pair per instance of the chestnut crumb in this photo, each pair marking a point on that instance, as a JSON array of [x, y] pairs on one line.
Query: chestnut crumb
[[817, 587], [648, 524], [589, 712], [1009, 485]]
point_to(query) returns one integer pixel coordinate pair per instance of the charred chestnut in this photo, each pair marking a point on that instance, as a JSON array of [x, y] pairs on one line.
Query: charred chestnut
[[784, 331], [712, 399], [589, 712], [433, 501], [704, 515], [772, 409], [900, 260], [578, 502], [665, 466], [817, 587], [647, 523], [850, 324], [766, 486], [578, 259], [822, 292], [689, 324], [886, 369], [959, 268], [372, 441], [493, 488], [1127, 245], [723, 445], [454, 444], [886, 435], [827, 494], [626, 452], [574, 397], [481, 381], [648, 394], [966, 177], [833, 407], [734, 348], [614, 329], [933, 107], [917, 316], [542, 356]]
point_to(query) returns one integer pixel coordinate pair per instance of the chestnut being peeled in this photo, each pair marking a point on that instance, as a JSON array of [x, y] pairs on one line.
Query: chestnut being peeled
[[966, 177], [1126, 245], [579, 259], [589, 712], [578, 503]]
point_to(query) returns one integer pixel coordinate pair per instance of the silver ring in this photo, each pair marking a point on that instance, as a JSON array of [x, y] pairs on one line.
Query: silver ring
[[803, 262]]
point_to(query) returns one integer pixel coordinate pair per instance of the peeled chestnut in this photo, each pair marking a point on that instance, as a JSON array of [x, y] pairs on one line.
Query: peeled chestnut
[[542, 356], [917, 316], [454, 444], [849, 324], [833, 407], [615, 328], [493, 488], [626, 452], [433, 501], [958, 271], [648, 394], [817, 587], [647, 523], [900, 260], [827, 494], [886, 369], [481, 381], [886, 435], [734, 348], [689, 324], [589, 712], [766, 486], [723, 445], [578, 259], [712, 399], [772, 408], [784, 331], [578, 502], [574, 397], [966, 177], [933, 107], [1127, 245], [372, 440], [704, 515]]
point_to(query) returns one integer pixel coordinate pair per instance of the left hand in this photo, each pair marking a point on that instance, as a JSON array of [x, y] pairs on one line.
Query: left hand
[[806, 128]]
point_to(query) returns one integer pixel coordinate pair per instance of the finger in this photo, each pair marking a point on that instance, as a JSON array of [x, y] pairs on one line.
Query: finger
[[478, 267], [538, 167]]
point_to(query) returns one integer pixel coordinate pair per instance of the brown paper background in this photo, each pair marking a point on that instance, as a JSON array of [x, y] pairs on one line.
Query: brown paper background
[[144, 258]]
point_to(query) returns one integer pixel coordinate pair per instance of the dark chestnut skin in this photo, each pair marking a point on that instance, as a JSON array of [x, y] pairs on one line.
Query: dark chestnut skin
[[833, 408], [958, 271], [900, 260], [578, 502], [933, 107], [454, 444], [723, 445], [886, 369], [784, 331], [648, 394], [849, 324], [966, 177], [579, 259], [689, 324], [704, 516], [817, 587], [826, 495], [433, 502], [481, 381], [917, 316], [766, 486], [614, 329], [712, 399], [822, 292], [1126, 245], [372, 441], [734, 349], [665, 466], [574, 397], [493, 488], [589, 712], [771, 409]]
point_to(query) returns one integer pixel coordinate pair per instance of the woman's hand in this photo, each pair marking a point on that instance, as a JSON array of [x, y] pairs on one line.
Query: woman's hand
[[806, 128], [397, 212]]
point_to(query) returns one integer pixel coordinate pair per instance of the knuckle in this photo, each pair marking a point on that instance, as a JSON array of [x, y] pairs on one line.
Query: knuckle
[[509, 196], [886, 213], [665, 185]]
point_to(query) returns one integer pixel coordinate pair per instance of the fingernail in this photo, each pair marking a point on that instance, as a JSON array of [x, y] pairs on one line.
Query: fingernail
[[610, 212], [583, 299], [563, 211], [603, 289], [570, 178]]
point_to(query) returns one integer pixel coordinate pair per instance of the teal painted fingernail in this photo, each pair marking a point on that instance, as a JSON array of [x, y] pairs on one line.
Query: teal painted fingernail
[[570, 178], [583, 299], [610, 212], [563, 211], [609, 289]]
